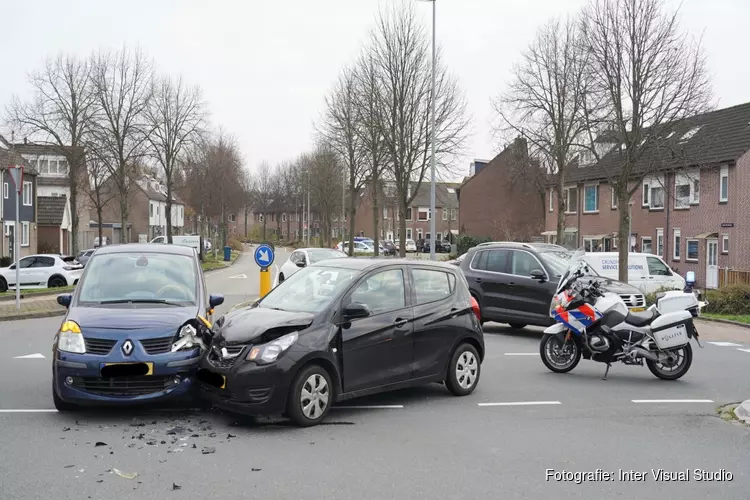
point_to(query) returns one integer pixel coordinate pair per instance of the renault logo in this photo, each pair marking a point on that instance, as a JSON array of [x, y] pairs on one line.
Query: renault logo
[[127, 347]]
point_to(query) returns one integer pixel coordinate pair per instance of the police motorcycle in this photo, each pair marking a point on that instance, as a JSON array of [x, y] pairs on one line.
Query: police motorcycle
[[597, 325]]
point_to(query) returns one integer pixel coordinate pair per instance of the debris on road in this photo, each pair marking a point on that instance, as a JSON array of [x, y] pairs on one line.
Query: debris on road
[[256, 470], [208, 450], [69, 466], [176, 486], [66, 429], [126, 475], [100, 443]]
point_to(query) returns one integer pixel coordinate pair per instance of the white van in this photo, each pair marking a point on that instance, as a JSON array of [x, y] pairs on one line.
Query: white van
[[645, 271]]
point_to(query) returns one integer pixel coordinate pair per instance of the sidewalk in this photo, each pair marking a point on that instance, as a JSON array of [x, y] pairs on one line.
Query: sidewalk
[[722, 332], [32, 307]]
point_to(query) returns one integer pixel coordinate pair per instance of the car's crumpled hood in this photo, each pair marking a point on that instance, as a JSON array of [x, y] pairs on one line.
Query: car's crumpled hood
[[244, 325]]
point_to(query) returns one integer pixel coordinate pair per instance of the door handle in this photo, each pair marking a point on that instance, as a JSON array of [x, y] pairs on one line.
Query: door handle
[[511, 284], [400, 322], [478, 280]]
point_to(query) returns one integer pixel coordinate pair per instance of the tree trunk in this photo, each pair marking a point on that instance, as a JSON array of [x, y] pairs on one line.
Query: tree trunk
[[74, 215], [168, 213], [375, 219], [623, 233], [245, 222], [99, 215], [560, 209], [402, 227], [264, 226], [352, 212], [123, 218]]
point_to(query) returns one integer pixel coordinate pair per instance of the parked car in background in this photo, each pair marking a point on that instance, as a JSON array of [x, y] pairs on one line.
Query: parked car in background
[[514, 283], [389, 248], [84, 256], [443, 246], [42, 271], [341, 329], [303, 257], [360, 247], [134, 304], [647, 272]]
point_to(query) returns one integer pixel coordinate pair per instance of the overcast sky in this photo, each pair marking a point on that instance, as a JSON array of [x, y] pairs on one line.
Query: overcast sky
[[266, 65]]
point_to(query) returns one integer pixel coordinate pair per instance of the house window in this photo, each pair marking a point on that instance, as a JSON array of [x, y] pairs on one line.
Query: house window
[[24, 234], [660, 242], [591, 199], [43, 167], [724, 243], [385, 212], [653, 193], [408, 233], [657, 197], [150, 210], [724, 184], [283, 217], [8, 224], [454, 213], [445, 213], [646, 191], [5, 190], [692, 250], [571, 199], [551, 200], [676, 242], [62, 167], [689, 134], [423, 214], [687, 189], [408, 214], [419, 234], [27, 194], [591, 244], [646, 245], [613, 194], [231, 217]]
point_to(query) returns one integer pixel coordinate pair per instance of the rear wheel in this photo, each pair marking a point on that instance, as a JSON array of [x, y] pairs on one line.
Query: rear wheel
[[3, 285], [557, 355], [56, 282], [675, 366], [310, 397], [517, 326], [281, 277], [463, 371]]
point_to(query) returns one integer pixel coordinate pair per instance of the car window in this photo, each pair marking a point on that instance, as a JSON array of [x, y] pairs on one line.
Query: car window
[[26, 262], [310, 289], [523, 263], [44, 262], [430, 285], [139, 277], [495, 261], [382, 292], [657, 268]]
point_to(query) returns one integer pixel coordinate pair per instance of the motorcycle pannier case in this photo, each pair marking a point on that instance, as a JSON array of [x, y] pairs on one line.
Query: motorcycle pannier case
[[672, 330]]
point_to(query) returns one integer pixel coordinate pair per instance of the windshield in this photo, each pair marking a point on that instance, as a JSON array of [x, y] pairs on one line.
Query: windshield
[[140, 277], [324, 254], [309, 290]]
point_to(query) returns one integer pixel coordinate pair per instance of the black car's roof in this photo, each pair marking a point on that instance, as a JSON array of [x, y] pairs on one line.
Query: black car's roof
[[366, 263], [147, 248]]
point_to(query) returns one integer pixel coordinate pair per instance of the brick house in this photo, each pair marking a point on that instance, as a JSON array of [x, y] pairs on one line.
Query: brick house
[[503, 200], [690, 209], [27, 205], [418, 216]]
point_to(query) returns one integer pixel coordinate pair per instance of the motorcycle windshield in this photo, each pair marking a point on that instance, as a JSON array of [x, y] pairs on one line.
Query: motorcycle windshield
[[573, 271]]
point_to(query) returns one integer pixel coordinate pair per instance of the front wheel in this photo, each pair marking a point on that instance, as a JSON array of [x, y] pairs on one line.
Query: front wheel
[[559, 356], [310, 397], [281, 278], [675, 366], [60, 405]]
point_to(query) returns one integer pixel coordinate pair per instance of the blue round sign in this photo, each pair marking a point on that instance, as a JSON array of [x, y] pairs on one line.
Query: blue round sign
[[264, 255]]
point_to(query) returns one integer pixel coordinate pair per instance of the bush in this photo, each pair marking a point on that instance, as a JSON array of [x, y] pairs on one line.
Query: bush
[[734, 299], [464, 243], [5, 261], [235, 244]]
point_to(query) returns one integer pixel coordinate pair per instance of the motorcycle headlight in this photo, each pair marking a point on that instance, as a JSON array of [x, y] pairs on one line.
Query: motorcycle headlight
[[69, 339], [268, 353]]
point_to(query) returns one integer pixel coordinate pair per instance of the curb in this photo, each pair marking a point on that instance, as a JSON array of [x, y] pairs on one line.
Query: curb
[[225, 267], [724, 321], [33, 295], [33, 315], [742, 412]]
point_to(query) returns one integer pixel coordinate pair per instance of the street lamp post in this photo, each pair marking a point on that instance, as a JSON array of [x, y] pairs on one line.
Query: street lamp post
[[432, 159]]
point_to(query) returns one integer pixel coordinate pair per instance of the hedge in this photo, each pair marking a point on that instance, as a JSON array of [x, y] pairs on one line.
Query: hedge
[[733, 299]]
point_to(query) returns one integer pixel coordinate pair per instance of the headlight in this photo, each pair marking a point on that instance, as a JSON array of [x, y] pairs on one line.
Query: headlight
[[70, 339], [268, 353], [187, 337]]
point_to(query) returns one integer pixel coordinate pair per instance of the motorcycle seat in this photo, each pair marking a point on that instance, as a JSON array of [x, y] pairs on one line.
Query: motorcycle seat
[[641, 319]]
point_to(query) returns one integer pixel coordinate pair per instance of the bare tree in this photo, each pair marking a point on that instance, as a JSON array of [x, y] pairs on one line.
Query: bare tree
[[99, 192], [645, 76], [401, 55], [249, 195], [341, 131], [174, 119], [60, 113], [227, 180], [264, 192], [544, 104], [325, 185], [121, 84]]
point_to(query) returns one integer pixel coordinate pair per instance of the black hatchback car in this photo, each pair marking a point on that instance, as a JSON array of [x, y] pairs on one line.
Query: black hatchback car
[[341, 329], [514, 282]]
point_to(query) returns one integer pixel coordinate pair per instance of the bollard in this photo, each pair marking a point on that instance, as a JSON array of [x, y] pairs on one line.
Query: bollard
[[265, 281]]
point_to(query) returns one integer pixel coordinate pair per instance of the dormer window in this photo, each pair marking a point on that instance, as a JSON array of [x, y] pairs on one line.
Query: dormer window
[[689, 134]]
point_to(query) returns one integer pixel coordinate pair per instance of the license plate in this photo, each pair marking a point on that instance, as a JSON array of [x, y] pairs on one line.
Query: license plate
[[149, 366], [211, 378], [638, 309]]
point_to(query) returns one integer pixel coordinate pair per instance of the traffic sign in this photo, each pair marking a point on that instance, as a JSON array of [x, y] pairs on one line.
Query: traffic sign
[[264, 255], [16, 174]]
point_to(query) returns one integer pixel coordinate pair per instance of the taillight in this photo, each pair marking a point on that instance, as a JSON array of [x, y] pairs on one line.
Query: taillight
[[475, 308]]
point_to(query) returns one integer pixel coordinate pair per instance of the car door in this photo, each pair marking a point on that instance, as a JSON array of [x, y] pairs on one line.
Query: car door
[[435, 322], [25, 272], [490, 276], [529, 299], [41, 270], [659, 275], [638, 274], [378, 350]]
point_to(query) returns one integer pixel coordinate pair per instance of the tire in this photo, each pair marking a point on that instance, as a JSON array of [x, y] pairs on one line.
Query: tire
[[314, 382], [547, 340], [682, 370], [56, 281], [281, 278], [3, 285], [464, 370], [60, 405], [517, 326]]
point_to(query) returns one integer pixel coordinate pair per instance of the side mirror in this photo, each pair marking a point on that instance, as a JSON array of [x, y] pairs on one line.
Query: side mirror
[[215, 300], [64, 300], [356, 310], [302, 263], [538, 274]]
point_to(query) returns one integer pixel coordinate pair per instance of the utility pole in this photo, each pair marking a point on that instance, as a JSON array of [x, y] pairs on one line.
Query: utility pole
[[309, 212], [432, 160], [343, 206]]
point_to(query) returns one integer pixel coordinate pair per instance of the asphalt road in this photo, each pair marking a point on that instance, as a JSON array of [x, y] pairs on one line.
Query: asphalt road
[[418, 443]]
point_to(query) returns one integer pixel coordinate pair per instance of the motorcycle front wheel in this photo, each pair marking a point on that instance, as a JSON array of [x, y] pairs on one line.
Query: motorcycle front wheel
[[557, 355], [674, 368]]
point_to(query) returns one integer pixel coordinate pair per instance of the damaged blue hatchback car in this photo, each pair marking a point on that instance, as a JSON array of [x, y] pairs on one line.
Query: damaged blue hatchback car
[[134, 329]]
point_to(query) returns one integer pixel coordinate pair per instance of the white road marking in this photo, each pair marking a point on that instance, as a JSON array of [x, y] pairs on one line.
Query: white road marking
[[522, 354], [744, 350], [725, 344], [369, 407], [672, 401], [37, 355], [239, 276], [521, 403], [28, 411]]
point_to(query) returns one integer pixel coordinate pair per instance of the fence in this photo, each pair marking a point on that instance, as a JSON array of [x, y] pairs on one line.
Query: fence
[[733, 277]]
